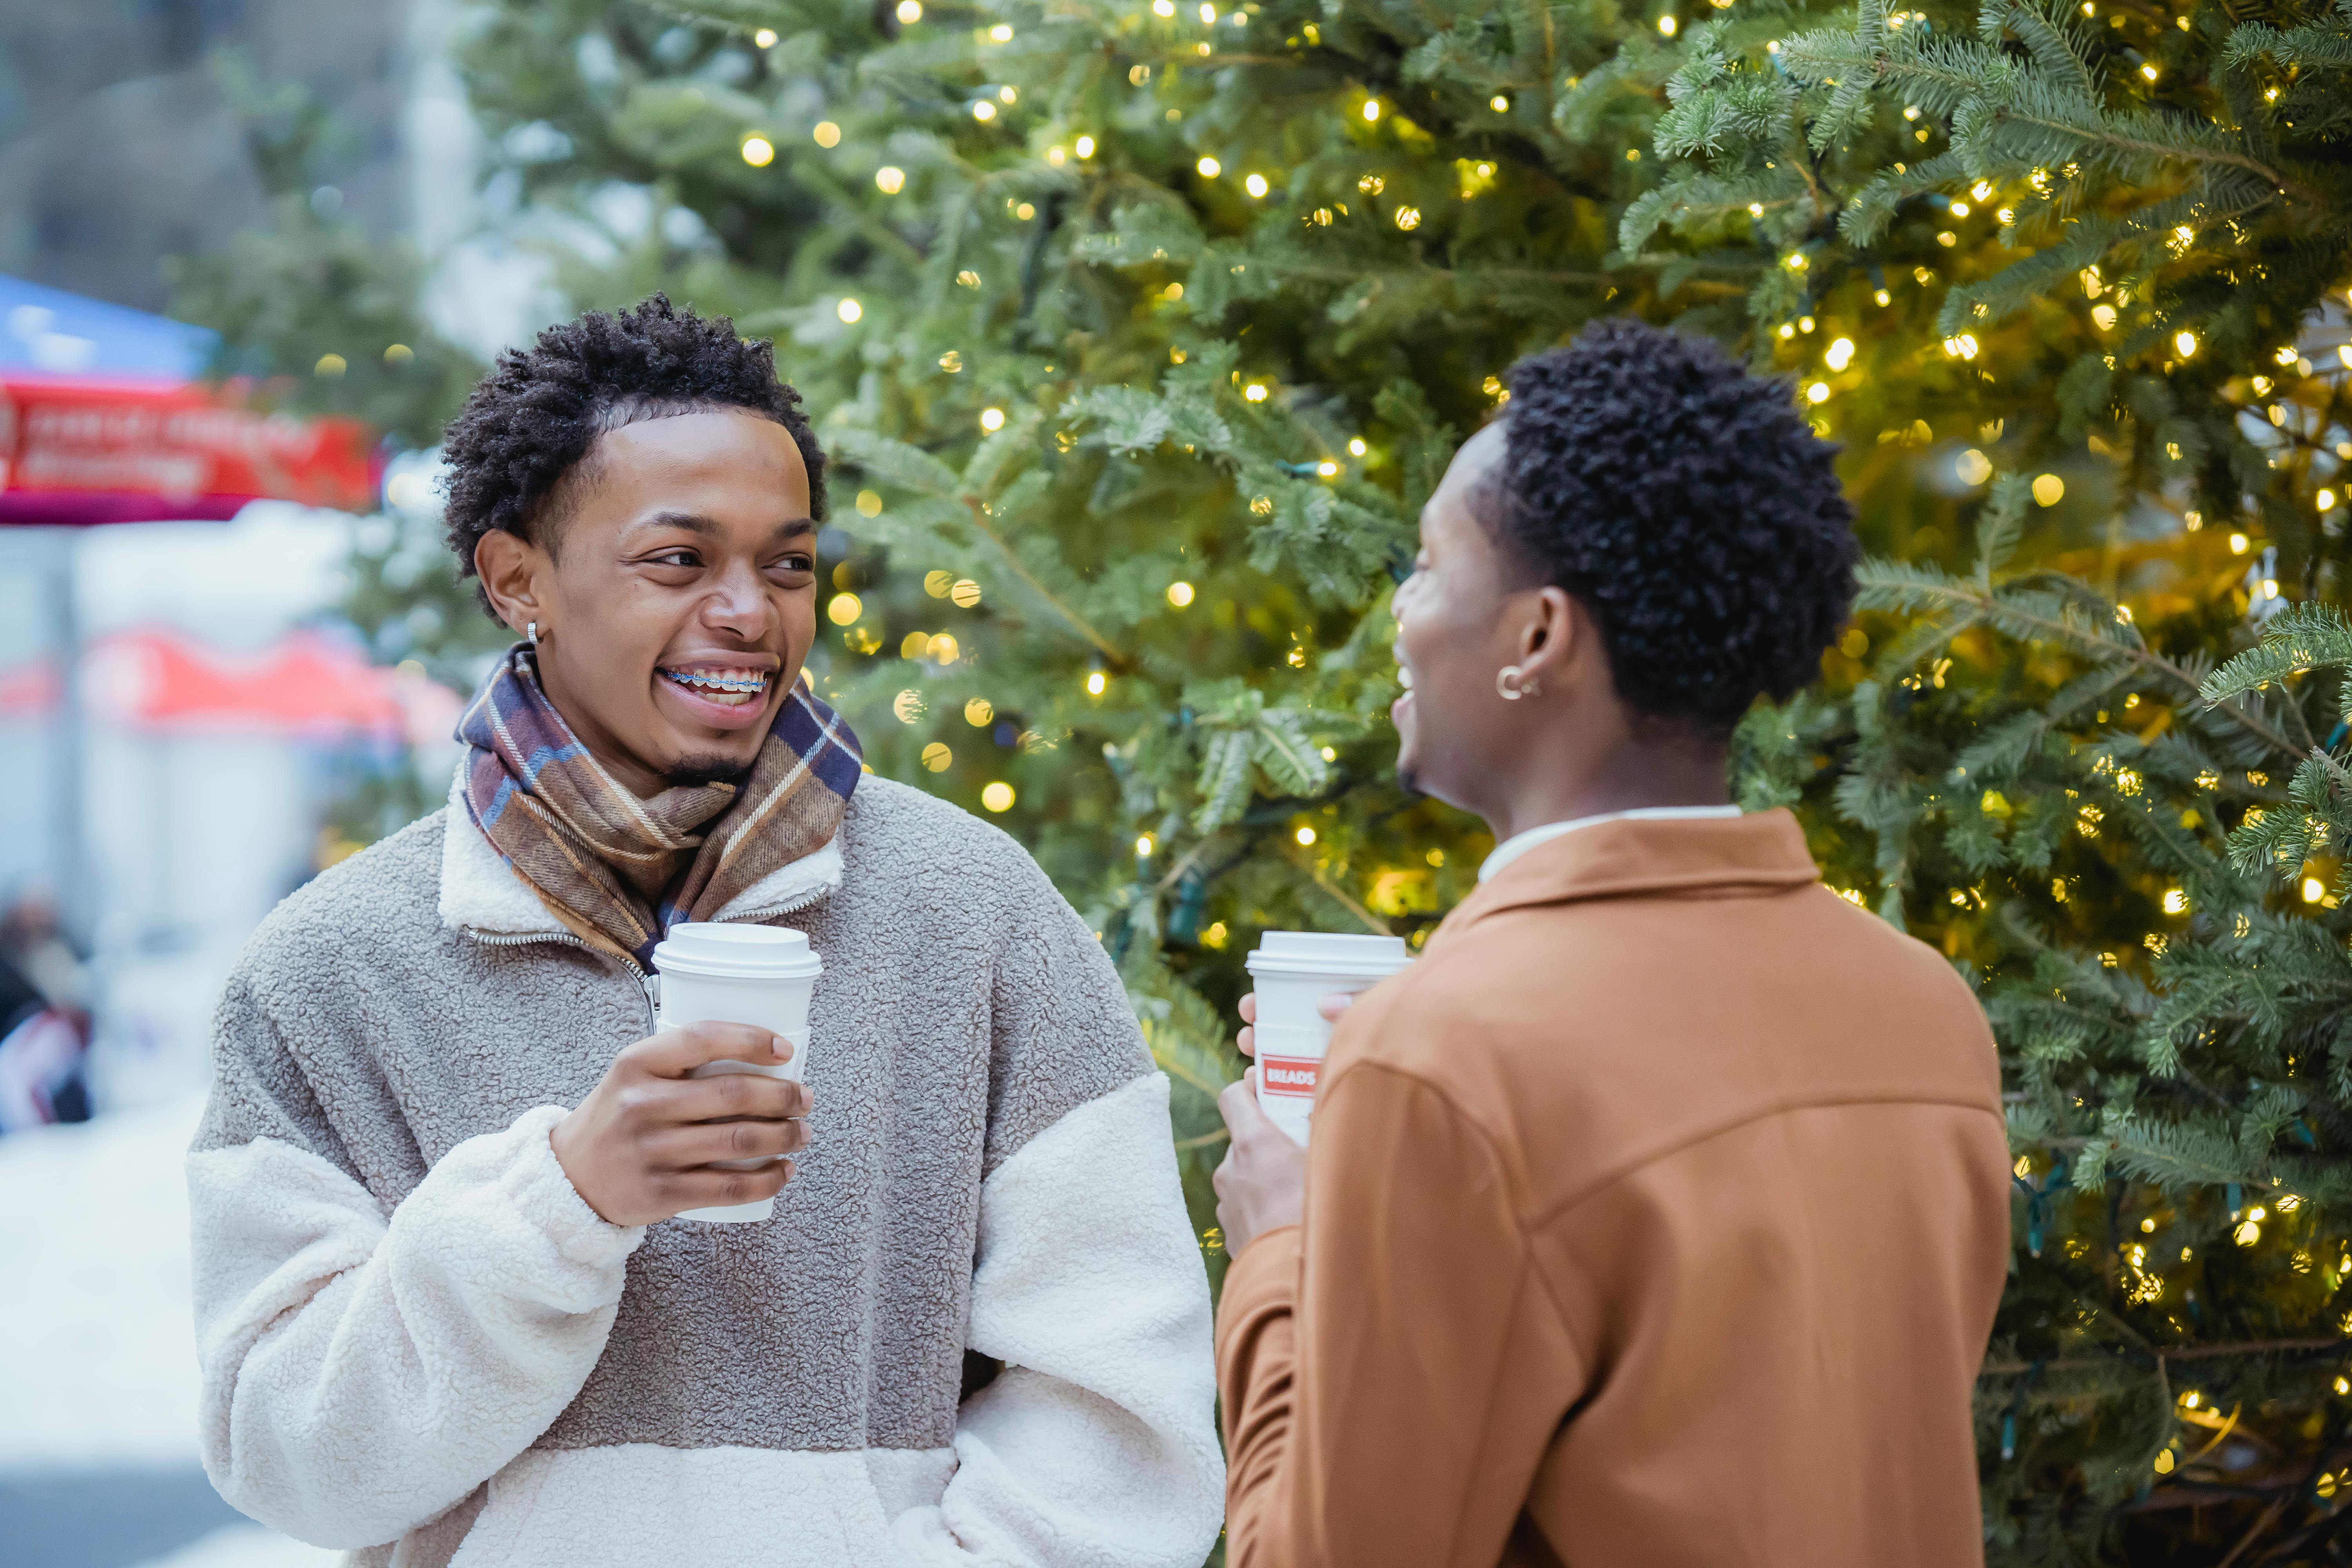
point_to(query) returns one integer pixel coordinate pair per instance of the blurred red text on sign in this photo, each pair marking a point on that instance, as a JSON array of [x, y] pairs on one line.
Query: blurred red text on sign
[[76, 450]]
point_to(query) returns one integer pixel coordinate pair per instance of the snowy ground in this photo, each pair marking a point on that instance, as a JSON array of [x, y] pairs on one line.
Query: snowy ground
[[98, 1376]]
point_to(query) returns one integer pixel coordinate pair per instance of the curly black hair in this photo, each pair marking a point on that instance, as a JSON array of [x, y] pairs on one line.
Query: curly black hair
[[528, 426], [1687, 503]]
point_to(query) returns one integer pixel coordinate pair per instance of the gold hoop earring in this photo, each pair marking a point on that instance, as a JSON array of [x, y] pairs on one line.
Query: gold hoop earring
[[1509, 692]]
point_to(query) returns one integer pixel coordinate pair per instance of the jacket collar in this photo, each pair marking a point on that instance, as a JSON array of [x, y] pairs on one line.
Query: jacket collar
[[1762, 852], [481, 896]]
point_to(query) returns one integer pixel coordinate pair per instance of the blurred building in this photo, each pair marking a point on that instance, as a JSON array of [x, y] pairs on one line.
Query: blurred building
[[119, 145]]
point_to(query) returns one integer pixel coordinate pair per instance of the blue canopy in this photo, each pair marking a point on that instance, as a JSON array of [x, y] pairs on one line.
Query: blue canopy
[[51, 331]]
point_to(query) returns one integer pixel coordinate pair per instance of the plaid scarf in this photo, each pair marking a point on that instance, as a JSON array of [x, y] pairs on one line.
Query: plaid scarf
[[618, 870]]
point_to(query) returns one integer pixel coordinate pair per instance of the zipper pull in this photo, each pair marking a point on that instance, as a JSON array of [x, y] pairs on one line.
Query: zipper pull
[[650, 981]]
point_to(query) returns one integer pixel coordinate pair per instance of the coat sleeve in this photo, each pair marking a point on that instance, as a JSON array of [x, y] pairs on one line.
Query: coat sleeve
[[364, 1372], [1098, 1443], [1361, 1353]]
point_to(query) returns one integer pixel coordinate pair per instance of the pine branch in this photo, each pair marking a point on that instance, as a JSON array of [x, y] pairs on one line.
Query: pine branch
[[1898, 586]]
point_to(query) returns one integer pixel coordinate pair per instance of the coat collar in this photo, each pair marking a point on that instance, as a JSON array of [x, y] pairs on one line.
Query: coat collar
[[481, 896], [1762, 852]]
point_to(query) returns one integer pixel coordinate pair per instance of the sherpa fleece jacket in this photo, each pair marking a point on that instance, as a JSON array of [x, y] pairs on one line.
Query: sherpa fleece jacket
[[419, 1343]]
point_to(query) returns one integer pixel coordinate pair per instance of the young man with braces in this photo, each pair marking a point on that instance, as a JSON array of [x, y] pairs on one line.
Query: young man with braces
[[444, 1308]]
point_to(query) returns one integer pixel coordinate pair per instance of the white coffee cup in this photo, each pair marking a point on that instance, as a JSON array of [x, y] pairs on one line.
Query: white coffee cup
[[727, 973], [1294, 969]]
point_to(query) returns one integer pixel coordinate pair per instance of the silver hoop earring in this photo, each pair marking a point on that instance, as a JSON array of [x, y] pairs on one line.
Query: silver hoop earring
[[1507, 691], [531, 633]]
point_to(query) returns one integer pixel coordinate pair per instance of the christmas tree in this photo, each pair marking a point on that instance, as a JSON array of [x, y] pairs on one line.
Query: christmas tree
[[1140, 333]]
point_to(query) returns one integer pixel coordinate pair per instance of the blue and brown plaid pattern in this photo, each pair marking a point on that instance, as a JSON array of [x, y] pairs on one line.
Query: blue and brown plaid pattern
[[619, 871]]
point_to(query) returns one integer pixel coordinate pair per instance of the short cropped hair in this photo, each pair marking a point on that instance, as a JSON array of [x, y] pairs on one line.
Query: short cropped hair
[[1687, 503], [529, 424]]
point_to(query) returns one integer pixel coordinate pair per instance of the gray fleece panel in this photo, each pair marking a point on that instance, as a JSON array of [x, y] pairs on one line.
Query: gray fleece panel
[[964, 1008]]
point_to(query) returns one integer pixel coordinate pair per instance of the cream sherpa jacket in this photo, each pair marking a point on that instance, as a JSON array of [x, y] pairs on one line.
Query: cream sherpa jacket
[[420, 1344]]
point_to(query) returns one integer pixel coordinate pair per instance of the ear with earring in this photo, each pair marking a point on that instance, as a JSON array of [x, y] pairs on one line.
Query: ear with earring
[[1510, 684]]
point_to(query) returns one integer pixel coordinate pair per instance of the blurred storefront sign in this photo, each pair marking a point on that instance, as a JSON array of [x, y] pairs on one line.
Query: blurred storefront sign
[[104, 417], [77, 451]]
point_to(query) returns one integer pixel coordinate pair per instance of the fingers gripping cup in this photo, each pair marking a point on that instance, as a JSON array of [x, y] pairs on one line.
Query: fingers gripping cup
[[1294, 969], [724, 973]]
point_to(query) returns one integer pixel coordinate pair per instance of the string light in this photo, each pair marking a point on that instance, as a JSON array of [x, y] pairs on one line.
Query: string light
[[759, 151]]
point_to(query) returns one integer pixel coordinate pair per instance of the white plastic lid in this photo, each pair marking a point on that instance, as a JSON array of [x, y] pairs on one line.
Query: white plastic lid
[[737, 951], [1318, 952]]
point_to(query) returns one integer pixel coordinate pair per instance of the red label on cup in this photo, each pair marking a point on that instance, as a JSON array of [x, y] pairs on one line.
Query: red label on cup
[[1288, 1075]]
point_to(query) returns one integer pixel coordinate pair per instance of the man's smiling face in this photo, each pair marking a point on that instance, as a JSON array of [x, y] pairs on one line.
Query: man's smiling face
[[674, 582]]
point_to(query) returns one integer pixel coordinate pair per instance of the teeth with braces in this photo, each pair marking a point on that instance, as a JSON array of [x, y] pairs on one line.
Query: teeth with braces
[[748, 685]]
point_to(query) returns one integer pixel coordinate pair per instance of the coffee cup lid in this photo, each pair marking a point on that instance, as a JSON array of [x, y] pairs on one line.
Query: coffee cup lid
[[1320, 952], [729, 951]]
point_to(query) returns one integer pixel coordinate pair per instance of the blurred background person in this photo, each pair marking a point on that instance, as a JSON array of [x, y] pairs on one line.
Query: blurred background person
[[43, 1030]]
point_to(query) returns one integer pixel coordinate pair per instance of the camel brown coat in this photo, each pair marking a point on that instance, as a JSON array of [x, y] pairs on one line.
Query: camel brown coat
[[1657, 1215]]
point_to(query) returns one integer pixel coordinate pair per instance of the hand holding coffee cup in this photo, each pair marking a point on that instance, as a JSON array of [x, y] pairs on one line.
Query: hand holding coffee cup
[[722, 973], [1306, 980], [645, 1144], [1262, 1181]]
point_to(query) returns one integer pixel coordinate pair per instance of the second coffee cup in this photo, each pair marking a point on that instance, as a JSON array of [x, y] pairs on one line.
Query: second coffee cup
[[1293, 971], [716, 973]]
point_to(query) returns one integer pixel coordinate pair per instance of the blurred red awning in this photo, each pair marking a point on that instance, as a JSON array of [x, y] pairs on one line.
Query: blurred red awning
[[76, 450], [304, 684]]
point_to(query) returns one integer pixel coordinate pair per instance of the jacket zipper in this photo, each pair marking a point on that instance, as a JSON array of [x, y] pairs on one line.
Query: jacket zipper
[[647, 981]]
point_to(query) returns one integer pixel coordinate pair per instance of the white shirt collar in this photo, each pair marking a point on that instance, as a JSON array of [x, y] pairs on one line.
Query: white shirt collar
[[1518, 844]]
